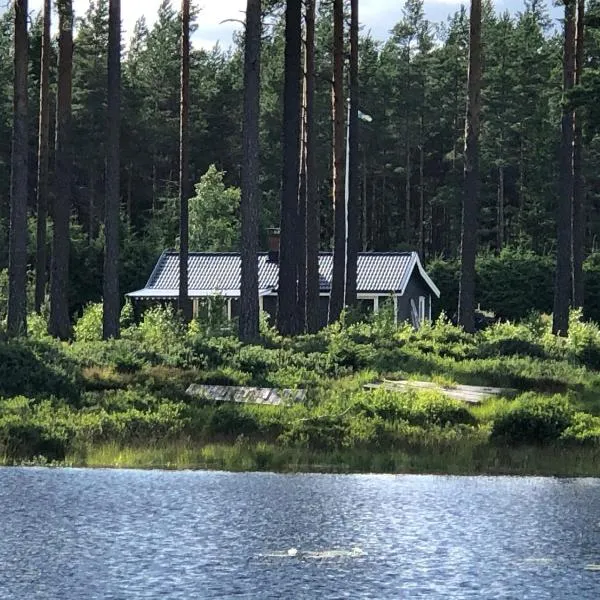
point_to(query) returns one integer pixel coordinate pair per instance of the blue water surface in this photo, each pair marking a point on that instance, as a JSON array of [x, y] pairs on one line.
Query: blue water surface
[[77, 534]]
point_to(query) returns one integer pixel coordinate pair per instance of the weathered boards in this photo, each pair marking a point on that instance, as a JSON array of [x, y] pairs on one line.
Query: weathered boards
[[473, 394], [246, 395]]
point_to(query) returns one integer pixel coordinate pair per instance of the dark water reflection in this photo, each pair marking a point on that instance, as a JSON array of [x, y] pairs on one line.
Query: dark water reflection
[[83, 534]]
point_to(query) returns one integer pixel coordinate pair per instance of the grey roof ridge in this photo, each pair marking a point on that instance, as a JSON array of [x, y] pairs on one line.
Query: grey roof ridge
[[154, 271], [264, 253]]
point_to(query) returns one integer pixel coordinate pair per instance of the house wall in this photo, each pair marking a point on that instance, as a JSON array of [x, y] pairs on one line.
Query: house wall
[[416, 287]]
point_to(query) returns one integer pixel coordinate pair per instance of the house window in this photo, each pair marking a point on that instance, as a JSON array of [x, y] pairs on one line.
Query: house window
[[365, 306]]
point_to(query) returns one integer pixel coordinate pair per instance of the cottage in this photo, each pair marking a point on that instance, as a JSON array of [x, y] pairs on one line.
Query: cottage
[[395, 277]]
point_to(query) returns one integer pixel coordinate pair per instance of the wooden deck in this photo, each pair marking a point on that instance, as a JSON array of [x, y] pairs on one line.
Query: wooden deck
[[246, 395], [473, 394]]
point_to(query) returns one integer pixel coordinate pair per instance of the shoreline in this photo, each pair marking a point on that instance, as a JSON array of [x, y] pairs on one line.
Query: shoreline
[[527, 461]]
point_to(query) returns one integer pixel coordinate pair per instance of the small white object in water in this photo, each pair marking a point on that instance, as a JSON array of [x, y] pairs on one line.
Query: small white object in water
[[292, 552]]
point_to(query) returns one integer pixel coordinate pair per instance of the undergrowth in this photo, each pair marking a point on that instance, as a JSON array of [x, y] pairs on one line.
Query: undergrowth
[[59, 400]]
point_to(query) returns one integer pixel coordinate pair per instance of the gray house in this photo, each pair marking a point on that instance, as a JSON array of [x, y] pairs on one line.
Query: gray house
[[395, 277]]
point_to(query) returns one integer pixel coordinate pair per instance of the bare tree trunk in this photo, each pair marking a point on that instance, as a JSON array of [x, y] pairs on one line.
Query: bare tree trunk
[[407, 198], [562, 282], [43, 154], [17, 257], [288, 258], [111, 300], [129, 195], [421, 189], [500, 206], [312, 227], [185, 306], [466, 299], [336, 299], [354, 175], [60, 323], [365, 212], [578, 235], [249, 307], [91, 203], [301, 292]]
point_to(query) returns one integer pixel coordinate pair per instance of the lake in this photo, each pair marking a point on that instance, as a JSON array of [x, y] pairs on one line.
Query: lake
[[83, 534]]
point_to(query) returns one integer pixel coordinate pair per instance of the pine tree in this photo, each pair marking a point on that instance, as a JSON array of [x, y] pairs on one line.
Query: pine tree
[[288, 257], [17, 263], [249, 308], [184, 168], [353, 179], [111, 299], [43, 159], [466, 299], [578, 216], [562, 281], [336, 298], [60, 324], [312, 224]]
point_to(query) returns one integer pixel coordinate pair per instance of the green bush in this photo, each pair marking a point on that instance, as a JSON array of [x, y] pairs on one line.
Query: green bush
[[230, 421], [533, 419], [417, 408], [584, 429], [88, 328], [26, 431], [36, 369]]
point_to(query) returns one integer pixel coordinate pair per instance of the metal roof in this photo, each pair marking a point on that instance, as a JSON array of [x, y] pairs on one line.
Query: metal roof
[[218, 273]]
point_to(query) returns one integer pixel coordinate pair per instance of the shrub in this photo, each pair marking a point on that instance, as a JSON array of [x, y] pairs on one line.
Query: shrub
[[28, 430], [417, 408], [229, 420], [88, 328], [36, 369], [533, 419], [584, 429]]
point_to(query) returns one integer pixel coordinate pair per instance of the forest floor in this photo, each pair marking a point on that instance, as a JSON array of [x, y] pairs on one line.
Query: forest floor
[[123, 403]]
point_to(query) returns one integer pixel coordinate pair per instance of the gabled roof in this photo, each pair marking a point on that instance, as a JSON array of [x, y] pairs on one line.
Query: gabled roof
[[218, 273]]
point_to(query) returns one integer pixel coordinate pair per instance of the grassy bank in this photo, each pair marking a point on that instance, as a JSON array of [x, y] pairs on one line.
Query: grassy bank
[[463, 459], [123, 403]]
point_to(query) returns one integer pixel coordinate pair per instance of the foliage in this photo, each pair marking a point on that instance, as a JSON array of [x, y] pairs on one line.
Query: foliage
[[533, 420], [214, 214], [63, 399]]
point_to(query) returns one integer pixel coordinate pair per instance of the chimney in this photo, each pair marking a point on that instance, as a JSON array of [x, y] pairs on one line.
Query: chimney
[[273, 235]]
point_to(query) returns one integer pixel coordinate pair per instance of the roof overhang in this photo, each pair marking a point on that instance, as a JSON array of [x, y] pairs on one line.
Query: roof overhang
[[165, 294], [416, 262]]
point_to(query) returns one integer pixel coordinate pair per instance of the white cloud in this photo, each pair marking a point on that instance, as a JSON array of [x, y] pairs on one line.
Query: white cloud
[[210, 26]]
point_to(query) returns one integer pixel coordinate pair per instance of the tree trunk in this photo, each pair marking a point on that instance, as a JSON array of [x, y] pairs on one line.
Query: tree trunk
[[60, 324], [421, 189], [578, 235], [185, 306], [17, 258], [365, 212], [43, 154], [92, 203], [301, 291], [407, 198], [288, 256], [562, 282], [111, 300], [312, 303], [336, 299], [466, 299], [129, 196], [250, 208], [500, 225], [353, 176]]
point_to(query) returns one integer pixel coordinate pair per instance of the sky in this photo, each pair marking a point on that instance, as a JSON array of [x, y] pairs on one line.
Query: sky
[[376, 16]]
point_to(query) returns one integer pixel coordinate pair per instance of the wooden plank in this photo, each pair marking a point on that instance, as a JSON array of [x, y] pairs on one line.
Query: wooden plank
[[246, 394], [472, 394]]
